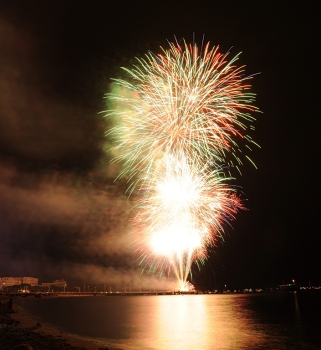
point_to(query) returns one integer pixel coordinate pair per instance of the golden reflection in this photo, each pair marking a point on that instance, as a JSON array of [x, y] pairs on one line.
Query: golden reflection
[[202, 322]]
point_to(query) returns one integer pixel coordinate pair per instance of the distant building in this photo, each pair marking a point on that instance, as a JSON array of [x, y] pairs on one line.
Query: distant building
[[56, 283], [30, 280], [17, 281], [59, 283], [11, 281]]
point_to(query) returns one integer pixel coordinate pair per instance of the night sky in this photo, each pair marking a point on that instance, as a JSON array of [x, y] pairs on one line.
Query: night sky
[[62, 215]]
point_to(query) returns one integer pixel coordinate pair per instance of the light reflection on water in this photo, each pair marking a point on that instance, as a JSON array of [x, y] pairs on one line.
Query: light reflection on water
[[189, 322], [198, 322]]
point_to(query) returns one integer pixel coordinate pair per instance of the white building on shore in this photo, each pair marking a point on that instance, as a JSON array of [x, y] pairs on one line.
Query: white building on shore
[[17, 281], [56, 283], [59, 283]]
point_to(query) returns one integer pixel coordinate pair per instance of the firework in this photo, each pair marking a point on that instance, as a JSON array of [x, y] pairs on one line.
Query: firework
[[181, 100], [178, 118], [183, 211]]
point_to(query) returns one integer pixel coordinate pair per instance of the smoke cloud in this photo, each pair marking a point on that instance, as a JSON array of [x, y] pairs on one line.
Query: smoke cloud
[[62, 216]]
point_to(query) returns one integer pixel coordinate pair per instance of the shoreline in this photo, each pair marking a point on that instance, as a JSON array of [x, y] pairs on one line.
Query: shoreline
[[18, 326]]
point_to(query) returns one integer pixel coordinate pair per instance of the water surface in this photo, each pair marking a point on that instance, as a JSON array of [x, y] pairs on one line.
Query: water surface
[[189, 322]]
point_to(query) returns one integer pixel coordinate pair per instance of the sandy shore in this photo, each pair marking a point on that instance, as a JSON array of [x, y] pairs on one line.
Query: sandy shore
[[19, 327]]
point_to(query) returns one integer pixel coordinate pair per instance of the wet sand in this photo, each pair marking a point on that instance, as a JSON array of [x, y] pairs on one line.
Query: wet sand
[[19, 327]]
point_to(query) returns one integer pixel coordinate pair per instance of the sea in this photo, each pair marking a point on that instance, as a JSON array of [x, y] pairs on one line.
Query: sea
[[276, 320]]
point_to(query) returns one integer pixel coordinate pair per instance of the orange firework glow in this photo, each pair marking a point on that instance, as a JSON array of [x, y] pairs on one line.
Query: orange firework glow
[[183, 211], [176, 118]]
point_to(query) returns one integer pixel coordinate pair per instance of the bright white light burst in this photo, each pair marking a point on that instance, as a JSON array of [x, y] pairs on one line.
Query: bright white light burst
[[177, 117]]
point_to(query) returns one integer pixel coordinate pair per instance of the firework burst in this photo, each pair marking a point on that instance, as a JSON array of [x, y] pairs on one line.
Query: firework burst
[[178, 115], [181, 212], [181, 100]]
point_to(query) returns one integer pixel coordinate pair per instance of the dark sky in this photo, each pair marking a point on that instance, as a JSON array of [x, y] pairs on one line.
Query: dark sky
[[61, 215]]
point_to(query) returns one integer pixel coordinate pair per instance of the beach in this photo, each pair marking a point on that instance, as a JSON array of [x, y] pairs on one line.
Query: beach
[[18, 327]]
